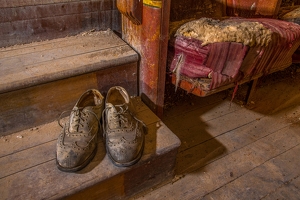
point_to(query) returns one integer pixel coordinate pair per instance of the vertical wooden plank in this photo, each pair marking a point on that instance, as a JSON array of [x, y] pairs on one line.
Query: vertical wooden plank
[[29, 21], [150, 40], [164, 39]]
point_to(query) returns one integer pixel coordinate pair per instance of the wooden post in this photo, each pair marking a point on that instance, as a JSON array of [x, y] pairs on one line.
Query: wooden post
[[150, 40]]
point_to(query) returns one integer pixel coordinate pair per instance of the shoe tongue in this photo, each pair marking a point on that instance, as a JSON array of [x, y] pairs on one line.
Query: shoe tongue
[[121, 119], [116, 108], [89, 108], [110, 106]]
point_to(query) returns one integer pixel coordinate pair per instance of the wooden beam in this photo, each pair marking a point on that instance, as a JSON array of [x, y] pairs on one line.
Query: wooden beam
[[150, 40]]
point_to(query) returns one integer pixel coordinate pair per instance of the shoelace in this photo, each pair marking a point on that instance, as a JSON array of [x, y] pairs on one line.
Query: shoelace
[[120, 116], [78, 117], [123, 121]]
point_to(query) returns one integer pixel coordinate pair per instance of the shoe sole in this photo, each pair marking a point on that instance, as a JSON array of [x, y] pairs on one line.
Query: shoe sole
[[75, 169], [118, 164]]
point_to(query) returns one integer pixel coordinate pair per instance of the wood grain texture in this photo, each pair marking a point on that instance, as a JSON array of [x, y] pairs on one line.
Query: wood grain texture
[[40, 80], [16, 3], [36, 105], [228, 141], [271, 175], [100, 179], [30, 21], [214, 175], [123, 75], [190, 9], [289, 190], [150, 40], [44, 10], [43, 103], [234, 151], [145, 39], [29, 65]]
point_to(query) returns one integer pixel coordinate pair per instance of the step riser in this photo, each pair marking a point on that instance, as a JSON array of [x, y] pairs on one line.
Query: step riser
[[33, 106], [156, 171], [28, 21]]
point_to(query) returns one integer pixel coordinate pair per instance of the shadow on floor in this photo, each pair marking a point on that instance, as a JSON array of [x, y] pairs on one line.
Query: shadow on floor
[[183, 115], [198, 146], [273, 92]]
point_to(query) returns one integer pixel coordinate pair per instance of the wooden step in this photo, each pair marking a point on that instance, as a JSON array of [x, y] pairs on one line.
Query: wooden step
[[31, 21], [28, 169], [40, 80]]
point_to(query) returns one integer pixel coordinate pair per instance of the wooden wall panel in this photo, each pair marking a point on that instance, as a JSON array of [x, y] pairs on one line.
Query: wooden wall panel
[[21, 32], [29, 21], [150, 40], [193, 9], [20, 3], [37, 105], [45, 11]]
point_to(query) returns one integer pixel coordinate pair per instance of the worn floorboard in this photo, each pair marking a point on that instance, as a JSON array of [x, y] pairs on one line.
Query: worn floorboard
[[259, 182], [42, 62], [234, 151]]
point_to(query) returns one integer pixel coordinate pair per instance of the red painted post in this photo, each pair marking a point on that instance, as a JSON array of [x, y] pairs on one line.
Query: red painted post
[[150, 40]]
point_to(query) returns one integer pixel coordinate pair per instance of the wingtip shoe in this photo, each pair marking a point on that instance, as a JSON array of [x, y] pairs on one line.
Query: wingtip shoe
[[77, 143], [123, 132]]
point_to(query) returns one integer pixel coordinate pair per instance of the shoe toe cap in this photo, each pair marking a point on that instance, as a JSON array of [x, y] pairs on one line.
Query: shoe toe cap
[[72, 159], [124, 153]]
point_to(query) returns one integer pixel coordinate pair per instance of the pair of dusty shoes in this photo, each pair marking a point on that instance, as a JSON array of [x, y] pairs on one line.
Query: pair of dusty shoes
[[123, 133]]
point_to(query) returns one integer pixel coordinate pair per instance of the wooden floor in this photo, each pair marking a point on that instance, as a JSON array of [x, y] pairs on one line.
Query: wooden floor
[[235, 151]]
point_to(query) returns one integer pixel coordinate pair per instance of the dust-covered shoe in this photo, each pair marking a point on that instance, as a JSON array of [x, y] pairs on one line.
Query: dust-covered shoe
[[123, 132], [77, 143]]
